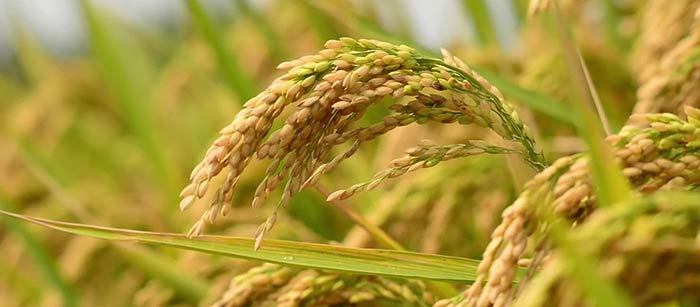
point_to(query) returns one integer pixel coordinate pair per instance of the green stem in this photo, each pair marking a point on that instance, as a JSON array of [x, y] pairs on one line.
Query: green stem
[[612, 185]]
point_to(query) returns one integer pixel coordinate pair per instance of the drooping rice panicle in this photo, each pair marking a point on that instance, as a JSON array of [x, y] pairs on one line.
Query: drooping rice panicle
[[670, 82], [663, 24], [328, 93], [657, 151], [274, 285], [648, 246], [255, 284]]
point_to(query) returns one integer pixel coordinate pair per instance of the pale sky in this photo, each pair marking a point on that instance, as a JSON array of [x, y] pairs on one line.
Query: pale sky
[[58, 24]]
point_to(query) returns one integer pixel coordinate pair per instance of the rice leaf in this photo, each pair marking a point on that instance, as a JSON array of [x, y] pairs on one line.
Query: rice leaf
[[602, 291], [308, 255], [612, 186], [480, 17], [34, 61], [119, 65], [40, 255], [241, 84], [537, 102], [186, 285]]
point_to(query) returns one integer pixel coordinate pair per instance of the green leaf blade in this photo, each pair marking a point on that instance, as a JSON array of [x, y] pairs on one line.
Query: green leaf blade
[[612, 186], [387, 263], [241, 84], [41, 256], [531, 99], [122, 68], [481, 18]]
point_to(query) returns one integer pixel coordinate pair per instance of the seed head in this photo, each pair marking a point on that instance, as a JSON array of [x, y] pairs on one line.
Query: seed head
[[326, 95], [566, 189]]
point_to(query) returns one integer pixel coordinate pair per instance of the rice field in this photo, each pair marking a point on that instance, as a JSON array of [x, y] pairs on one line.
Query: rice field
[[320, 153]]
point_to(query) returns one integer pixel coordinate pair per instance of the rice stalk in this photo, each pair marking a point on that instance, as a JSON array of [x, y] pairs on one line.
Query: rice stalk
[[611, 184]]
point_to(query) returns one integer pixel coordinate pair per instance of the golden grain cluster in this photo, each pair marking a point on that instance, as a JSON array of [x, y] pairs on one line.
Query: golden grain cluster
[[329, 93]]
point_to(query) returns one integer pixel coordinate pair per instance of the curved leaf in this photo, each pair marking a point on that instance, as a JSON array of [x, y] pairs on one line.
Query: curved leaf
[[308, 255], [237, 79], [41, 256]]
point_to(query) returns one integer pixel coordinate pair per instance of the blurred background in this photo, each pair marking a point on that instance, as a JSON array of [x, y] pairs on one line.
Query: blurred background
[[106, 106], [58, 26]]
